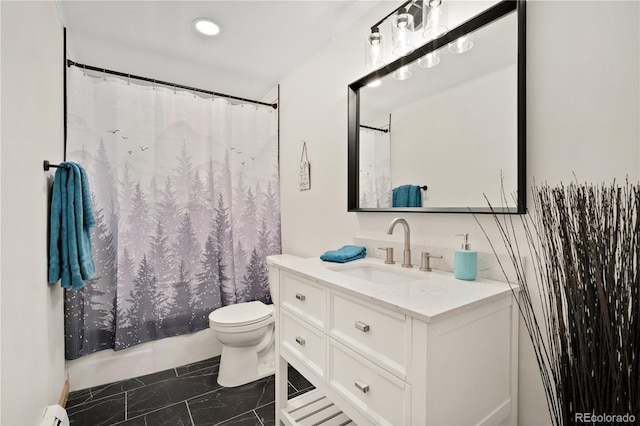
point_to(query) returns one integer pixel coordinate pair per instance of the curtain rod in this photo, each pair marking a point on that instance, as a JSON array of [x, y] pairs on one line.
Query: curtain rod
[[374, 128], [165, 83]]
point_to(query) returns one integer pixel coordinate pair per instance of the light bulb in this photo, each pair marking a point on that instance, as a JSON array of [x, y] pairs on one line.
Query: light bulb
[[434, 17], [462, 44], [374, 49], [401, 33], [402, 73], [429, 60]]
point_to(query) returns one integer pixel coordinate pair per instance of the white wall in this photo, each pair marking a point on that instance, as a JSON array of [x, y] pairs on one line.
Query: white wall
[[582, 117], [32, 130], [464, 164], [0, 221]]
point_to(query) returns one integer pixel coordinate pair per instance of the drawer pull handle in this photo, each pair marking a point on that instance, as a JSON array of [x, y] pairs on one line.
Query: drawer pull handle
[[362, 326], [362, 386], [300, 341], [300, 297]]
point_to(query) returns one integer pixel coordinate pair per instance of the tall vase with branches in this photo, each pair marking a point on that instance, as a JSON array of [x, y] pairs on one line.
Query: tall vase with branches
[[581, 302]]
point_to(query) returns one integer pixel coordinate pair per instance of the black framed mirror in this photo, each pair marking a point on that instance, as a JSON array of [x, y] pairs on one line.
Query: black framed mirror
[[452, 135]]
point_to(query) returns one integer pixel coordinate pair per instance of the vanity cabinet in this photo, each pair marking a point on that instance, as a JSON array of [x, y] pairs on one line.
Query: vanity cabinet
[[374, 361]]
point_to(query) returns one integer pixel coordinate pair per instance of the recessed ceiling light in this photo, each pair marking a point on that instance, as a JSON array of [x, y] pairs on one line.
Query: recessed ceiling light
[[206, 26]]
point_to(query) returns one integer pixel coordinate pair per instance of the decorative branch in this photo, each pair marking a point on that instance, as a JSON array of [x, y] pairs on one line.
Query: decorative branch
[[581, 303]]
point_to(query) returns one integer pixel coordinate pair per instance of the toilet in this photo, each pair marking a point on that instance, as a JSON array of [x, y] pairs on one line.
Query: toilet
[[246, 331]]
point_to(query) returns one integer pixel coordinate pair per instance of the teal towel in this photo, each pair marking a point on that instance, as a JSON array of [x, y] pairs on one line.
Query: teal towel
[[70, 251], [344, 254], [407, 196]]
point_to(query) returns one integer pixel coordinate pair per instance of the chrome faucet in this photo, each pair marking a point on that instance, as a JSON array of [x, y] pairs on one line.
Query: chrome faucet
[[406, 258]]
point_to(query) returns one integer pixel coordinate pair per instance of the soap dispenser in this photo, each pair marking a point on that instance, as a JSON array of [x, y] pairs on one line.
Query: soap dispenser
[[465, 261]]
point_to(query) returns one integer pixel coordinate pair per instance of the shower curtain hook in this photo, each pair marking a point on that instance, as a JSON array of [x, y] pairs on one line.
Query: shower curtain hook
[[84, 70], [128, 79], [153, 84]]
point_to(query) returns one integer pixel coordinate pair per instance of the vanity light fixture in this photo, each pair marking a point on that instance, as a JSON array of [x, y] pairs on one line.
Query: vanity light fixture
[[206, 26], [412, 19], [412, 24], [375, 83]]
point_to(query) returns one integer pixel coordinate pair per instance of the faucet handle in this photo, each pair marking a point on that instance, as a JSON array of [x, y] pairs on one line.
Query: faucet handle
[[389, 258], [424, 265]]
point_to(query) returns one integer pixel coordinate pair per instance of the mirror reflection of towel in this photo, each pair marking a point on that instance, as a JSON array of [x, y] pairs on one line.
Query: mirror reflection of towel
[[407, 196]]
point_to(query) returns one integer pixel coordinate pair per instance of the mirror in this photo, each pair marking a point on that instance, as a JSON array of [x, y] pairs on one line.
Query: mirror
[[450, 135]]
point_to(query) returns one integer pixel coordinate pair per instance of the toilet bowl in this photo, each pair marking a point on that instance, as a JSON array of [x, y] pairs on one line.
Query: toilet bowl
[[246, 333]]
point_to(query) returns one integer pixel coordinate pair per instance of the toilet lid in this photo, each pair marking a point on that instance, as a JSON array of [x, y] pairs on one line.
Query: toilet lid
[[241, 314]]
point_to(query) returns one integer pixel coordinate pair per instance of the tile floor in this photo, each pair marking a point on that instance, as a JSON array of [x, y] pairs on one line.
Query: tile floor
[[183, 396]]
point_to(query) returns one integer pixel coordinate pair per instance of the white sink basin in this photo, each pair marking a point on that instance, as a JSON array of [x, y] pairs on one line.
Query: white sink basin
[[377, 274]]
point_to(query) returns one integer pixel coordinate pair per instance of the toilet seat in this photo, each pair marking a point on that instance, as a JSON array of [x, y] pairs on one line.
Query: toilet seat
[[241, 314]]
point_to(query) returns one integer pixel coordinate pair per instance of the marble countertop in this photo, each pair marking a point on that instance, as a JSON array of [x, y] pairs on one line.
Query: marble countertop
[[430, 296]]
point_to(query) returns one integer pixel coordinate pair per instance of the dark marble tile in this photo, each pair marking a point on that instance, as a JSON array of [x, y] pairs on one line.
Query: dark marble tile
[[174, 415], [297, 380], [168, 392], [224, 403], [267, 414], [105, 411], [78, 397], [137, 421], [247, 419], [198, 365], [131, 384]]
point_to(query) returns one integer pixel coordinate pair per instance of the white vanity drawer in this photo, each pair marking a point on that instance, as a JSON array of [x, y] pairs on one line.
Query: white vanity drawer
[[381, 335], [377, 394], [303, 341], [304, 298]]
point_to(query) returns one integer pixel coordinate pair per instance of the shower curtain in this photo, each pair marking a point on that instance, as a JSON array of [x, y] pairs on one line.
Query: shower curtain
[[185, 193], [375, 168]]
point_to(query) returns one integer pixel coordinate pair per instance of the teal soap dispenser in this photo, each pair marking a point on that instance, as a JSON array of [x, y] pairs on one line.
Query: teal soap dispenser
[[465, 261]]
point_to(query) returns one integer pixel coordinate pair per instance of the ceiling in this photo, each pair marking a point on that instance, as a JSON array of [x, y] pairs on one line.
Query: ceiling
[[260, 44]]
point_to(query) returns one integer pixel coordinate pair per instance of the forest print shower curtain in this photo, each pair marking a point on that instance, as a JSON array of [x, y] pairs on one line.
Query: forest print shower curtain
[[185, 193]]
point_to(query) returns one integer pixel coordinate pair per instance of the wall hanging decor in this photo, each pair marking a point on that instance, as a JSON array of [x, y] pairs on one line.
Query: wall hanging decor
[[304, 178]]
